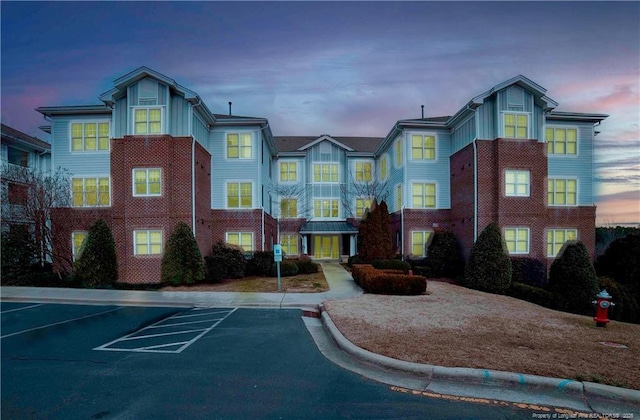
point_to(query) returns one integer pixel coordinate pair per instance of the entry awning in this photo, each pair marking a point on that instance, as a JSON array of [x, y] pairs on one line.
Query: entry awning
[[328, 227]]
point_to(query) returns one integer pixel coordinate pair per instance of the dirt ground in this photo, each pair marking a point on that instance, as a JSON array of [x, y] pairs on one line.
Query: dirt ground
[[458, 327]]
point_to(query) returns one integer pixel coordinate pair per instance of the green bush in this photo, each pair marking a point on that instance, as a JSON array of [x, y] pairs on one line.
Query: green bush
[[620, 261], [444, 257], [531, 294], [355, 259], [394, 284], [528, 271], [182, 261], [306, 266], [489, 266], [19, 252], [627, 307], [572, 279], [287, 269], [215, 268], [391, 265], [97, 265], [260, 263], [234, 260]]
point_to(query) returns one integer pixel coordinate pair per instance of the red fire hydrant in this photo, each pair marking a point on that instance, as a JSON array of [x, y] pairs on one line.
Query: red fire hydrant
[[602, 302]]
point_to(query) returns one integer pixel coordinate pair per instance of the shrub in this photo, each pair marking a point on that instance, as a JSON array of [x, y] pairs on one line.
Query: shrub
[[182, 261], [394, 284], [306, 267], [260, 263], [489, 266], [234, 260], [528, 271], [620, 261], [627, 307], [359, 271], [97, 264], [531, 294], [355, 259], [572, 279], [374, 234], [19, 252], [444, 257], [288, 268], [392, 265], [215, 268]]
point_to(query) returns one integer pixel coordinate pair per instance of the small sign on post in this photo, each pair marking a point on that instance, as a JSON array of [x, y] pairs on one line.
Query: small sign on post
[[277, 257]]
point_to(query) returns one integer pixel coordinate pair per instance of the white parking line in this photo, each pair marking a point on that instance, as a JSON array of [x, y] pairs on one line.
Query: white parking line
[[19, 309]]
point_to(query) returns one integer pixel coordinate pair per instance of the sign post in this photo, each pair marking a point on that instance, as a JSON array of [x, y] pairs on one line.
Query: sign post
[[277, 257]]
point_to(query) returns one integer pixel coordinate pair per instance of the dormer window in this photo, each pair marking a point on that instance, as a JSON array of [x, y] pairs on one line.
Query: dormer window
[[147, 120], [516, 125]]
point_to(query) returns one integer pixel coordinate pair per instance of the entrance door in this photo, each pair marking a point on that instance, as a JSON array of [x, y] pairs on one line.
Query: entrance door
[[326, 246]]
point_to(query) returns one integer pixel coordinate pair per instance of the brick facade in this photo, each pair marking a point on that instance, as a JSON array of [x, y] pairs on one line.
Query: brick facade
[[245, 221]]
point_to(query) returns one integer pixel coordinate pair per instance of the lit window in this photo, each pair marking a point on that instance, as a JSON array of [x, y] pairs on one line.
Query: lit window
[[146, 182], [517, 240], [325, 172], [363, 171], [383, 167], [423, 147], [361, 205], [561, 141], [516, 183], [239, 195], [562, 192], [325, 208], [288, 171], [77, 240], [399, 197], [419, 241], [516, 125], [424, 195], [90, 192], [399, 153], [89, 137], [241, 239], [147, 242], [289, 207], [239, 146], [556, 238], [289, 244], [147, 120]]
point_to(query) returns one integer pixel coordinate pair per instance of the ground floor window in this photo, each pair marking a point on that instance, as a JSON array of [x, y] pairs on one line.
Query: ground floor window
[[517, 240], [147, 242], [289, 244], [77, 240], [556, 238], [241, 239], [419, 241]]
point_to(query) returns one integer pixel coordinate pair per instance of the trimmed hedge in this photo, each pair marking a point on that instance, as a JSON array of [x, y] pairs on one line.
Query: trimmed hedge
[[531, 294], [98, 264], [489, 266], [388, 282], [234, 260], [260, 263], [306, 266], [391, 265], [528, 271], [182, 262], [288, 268], [215, 268], [444, 257], [626, 308]]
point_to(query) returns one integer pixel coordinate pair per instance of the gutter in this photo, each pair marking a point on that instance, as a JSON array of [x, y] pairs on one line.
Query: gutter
[[402, 229], [475, 174], [193, 168]]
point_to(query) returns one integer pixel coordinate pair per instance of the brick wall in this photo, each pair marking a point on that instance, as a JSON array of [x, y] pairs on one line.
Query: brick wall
[[462, 197], [417, 219], [250, 220]]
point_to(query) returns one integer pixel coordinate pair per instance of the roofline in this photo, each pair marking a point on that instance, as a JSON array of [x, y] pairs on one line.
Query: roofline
[[44, 147], [576, 116], [327, 137], [75, 109]]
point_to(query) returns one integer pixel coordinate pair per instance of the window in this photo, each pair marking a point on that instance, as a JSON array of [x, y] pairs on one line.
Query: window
[[557, 237], [423, 147], [399, 196], [239, 195], [146, 182], [399, 153], [17, 157], [289, 207], [239, 146], [424, 195], [361, 205], [288, 171], [561, 141], [289, 244], [90, 192], [77, 240], [562, 192], [363, 171], [147, 120], [516, 183], [383, 167], [241, 239], [516, 125], [419, 241], [325, 172], [325, 208], [517, 240], [147, 242], [89, 136]]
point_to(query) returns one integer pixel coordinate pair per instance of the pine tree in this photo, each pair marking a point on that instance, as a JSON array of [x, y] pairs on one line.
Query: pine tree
[[182, 261], [374, 234], [97, 265], [489, 266]]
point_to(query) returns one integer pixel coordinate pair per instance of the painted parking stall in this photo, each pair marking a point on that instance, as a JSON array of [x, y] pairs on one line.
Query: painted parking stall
[[170, 335]]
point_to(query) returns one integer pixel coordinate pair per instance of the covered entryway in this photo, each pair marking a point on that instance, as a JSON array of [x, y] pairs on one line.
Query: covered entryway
[[326, 246], [329, 240]]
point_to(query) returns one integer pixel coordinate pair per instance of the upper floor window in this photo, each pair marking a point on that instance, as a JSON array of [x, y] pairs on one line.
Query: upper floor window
[[419, 241], [91, 192], [147, 242], [147, 120], [363, 171], [288, 171], [361, 205], [325, 172], [289, 244], [423, 147], [239, 146], [89, 136], [147, 182], [241, 239], [562, 192], [561, 141], [289, 207], [399, 153], [516, 125], [516, 183], [424, 195], [517, 240], [17, 156], [325, 208], [399, 201], [556, 238], [77, 240], [383, 167], [239, 195]]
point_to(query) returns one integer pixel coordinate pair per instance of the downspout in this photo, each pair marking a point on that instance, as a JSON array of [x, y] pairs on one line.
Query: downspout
[[475, 174], [402, 232], [193, 168], [262, 208]]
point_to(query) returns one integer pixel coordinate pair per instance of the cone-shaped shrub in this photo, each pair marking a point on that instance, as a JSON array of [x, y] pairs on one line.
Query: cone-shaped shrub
[[444, 258], [182, 261], [374, 234], [97, 264], [489, 266], [573, 280]]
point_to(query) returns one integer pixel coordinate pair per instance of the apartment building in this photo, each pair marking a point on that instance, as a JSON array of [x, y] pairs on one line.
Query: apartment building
[[152, 155]]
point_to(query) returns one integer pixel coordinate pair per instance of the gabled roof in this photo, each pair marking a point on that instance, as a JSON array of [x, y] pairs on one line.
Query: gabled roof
[[538, 92], [12, 136], [350, 144]]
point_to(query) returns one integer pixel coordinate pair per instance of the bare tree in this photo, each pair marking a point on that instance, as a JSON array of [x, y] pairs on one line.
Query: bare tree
[[290, 205], [372, 190]]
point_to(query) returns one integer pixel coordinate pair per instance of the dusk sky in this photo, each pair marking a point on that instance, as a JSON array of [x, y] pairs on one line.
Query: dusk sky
[[341, 68]]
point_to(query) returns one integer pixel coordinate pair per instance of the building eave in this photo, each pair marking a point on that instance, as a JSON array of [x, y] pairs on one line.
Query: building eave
[[576, 116], [51, 111]]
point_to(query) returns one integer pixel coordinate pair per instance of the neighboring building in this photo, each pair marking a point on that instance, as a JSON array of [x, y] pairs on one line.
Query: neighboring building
[[153, 155]]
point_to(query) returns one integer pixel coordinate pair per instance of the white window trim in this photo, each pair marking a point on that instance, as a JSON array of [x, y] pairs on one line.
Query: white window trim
[[135, 251], [553, 230], [240, 233], [562, 155], [74, 251], [281, 199], [401, 195], [565, 179], [401, 154], [423, 135], [516, 184], [253, 146], [411, 195], [313, 208], [163, 120], [355, 170], [103, 151], [385, 157], [425, 245], [226, 193], [517, 229], [313, 181], [133, 182], [288, 162], [355, 205], [294, 236], [529, 123], [84, 177]]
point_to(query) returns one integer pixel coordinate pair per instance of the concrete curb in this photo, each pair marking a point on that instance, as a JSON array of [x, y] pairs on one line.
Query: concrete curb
[[600, 398]]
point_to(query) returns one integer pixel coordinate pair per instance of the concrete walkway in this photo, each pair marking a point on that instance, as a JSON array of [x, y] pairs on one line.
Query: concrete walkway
[[462, 382]]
